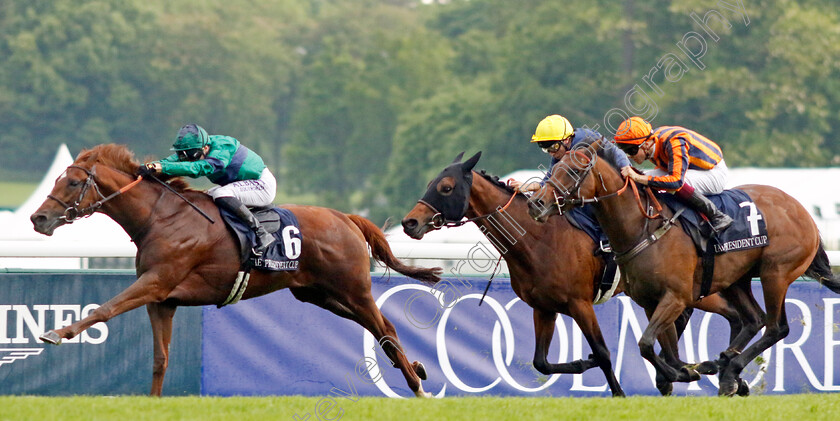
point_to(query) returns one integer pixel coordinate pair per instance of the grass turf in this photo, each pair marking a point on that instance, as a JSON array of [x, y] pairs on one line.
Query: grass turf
[[786, 407]]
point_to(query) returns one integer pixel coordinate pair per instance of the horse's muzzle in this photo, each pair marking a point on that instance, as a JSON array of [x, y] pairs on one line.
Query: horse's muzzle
[[413, 228], [44, 224], [539, 211]]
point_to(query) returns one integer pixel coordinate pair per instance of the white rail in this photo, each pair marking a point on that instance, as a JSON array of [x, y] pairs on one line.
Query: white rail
[[403, 250]]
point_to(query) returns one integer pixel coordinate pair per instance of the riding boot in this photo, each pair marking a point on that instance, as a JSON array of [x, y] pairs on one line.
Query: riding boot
[[719, 220], [263, 237]]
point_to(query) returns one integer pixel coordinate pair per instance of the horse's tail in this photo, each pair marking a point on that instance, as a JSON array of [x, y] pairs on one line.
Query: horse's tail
[[820, 270], [381, 251]]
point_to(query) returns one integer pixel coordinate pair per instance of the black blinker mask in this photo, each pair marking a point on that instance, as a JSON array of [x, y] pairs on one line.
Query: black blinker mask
[[453, 206]]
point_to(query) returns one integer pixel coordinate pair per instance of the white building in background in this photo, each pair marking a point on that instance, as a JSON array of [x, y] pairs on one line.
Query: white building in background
[[818, 190]]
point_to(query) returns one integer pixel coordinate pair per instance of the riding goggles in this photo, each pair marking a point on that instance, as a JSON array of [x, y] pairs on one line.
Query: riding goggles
[[190, 154], [628, 148], [550, 146]]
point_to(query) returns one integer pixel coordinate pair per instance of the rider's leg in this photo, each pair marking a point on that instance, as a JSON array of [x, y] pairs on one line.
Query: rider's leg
[[702, 204], [237, 196]]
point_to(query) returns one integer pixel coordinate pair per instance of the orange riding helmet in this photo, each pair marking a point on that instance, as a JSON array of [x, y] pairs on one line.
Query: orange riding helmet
[[633, 131]]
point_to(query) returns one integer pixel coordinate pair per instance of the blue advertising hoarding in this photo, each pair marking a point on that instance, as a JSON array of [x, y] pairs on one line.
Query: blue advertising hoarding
[[274, 345], [108, 359]]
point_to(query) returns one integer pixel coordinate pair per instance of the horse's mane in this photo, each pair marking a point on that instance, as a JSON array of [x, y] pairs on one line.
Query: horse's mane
[[122, 159], [494, 179]]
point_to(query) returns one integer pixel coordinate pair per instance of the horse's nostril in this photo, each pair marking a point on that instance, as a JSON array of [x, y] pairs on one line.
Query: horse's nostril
[[35, 218], [409, 224]]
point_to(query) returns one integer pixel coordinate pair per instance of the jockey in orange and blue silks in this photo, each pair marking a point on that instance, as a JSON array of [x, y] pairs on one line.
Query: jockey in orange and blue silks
[[687, 164]]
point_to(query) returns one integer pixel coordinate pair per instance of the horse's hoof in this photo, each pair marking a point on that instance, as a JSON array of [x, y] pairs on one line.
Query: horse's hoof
[[422, 394], [665, 388], [743, 388], [51, 338], [727, 388], [419, 369], [690, 373], [707, 367]]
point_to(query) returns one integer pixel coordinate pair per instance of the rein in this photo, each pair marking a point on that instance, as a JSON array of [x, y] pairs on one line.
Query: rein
[[73, 213]]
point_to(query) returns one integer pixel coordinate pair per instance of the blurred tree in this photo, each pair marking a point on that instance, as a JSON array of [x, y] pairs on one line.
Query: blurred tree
[[72, 72], [364, 62]]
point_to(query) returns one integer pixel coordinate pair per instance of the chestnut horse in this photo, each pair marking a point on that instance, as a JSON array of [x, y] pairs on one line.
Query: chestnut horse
[[185, 260], [553, 267], [665, 277]]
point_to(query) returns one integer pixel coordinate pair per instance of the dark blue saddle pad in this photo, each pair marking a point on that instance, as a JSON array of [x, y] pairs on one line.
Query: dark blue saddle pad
[[283, 254], [583, 218], [748, 229]]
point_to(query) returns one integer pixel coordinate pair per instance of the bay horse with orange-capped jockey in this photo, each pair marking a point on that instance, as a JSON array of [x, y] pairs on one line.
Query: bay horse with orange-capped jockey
[[664, 276], [553, 267], [183, 260]]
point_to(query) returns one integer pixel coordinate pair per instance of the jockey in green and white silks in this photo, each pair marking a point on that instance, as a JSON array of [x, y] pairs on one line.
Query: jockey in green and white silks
[[240, 174]]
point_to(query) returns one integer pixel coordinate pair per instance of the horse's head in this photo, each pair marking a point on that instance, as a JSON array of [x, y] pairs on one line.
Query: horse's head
[[79, 191], [569, 184], [446, 200]]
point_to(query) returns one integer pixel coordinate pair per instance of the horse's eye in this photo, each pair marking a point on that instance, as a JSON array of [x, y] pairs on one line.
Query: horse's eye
[[74, 183], [446, 189]]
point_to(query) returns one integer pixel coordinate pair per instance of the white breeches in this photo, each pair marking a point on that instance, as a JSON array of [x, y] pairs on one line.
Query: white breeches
[[258, 192], [711, 181]]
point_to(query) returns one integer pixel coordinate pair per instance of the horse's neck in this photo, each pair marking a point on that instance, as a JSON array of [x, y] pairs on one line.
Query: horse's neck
[[133, 209], [618, 215], [513, 229]]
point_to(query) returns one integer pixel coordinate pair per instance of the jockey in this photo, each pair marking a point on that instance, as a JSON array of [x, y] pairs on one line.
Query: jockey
[[687, 164], [556, 136], [242, 177]]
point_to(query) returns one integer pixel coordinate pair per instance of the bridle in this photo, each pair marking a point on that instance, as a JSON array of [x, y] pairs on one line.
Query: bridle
[[439, 221], [575, 200], [73, 212]]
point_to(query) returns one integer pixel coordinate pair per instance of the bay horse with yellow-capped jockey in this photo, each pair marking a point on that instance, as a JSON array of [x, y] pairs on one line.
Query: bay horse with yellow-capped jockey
[[554, 267]]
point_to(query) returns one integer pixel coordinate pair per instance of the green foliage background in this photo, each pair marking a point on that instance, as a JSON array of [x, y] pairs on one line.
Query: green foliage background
[[356, 104]]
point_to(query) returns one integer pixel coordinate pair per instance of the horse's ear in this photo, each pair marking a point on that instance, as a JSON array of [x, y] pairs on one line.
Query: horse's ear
[[458, 158], [470, 163], [597, 145]]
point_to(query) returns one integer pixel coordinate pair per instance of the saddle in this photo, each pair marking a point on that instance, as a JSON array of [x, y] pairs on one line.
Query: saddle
[[583, 219], [748, 229], [283, 254]]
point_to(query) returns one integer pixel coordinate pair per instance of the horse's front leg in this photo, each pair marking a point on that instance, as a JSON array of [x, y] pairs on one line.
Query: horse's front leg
[[161, 317], [146, 289], [544, 330], [661, 326]]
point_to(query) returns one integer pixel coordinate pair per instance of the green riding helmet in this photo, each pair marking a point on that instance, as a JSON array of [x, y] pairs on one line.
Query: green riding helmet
[[191, 136]]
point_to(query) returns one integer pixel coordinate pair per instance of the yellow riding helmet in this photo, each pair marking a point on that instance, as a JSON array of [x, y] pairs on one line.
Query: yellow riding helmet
[[633, 131], [553, 127]]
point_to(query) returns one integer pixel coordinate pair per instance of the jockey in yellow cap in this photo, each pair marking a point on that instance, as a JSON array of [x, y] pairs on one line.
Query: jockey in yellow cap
[[556, 136]]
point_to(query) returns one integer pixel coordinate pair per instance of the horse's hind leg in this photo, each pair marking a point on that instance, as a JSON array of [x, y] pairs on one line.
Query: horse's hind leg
[[739, 296], [161, 317], [365, 313], [776, 328], [372, 319]]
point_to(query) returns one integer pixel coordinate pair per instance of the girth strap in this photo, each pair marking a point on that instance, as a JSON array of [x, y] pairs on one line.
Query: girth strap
[[622, 258]]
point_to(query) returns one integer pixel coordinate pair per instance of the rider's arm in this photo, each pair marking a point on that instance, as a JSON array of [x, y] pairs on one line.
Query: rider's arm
[[676, 151]]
